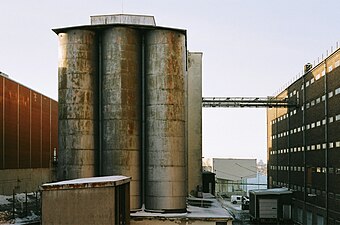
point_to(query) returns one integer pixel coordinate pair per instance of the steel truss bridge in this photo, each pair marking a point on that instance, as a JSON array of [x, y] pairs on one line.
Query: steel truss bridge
[[246, 102]]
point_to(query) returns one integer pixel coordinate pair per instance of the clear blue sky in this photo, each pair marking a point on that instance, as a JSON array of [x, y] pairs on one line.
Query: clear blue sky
[[250, 48]]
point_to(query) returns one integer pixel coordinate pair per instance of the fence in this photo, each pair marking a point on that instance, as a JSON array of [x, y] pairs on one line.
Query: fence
[[20, 207]]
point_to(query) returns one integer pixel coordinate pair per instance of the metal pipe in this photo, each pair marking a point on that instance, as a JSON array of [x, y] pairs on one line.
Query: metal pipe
[[326, 137], [304, 144], [100, 109], [143, 129]]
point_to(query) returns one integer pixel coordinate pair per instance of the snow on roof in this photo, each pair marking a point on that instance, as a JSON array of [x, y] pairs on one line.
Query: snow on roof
[[105, 181], [215, 212]]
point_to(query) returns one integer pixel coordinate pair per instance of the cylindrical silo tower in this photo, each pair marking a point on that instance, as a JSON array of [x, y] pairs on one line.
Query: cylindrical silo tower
[[121, 106], [77, 72], [165, 150]]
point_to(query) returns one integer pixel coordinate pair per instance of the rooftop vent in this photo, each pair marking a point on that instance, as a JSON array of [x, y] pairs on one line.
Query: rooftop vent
[[308, 67], [123, 19]]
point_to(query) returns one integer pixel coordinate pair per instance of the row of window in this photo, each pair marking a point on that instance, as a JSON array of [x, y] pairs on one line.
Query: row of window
[[308, 105], [308, 148], [331, 170], [313, 191], [317, 77], [322, 98], [308, 126], [286, 168]]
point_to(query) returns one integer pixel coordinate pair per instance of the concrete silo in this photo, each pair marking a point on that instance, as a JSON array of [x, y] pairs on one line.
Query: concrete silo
[[165, 150], [121, 106], [77, 74]]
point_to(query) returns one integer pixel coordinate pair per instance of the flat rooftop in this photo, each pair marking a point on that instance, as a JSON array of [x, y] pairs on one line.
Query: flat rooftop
[[210, 210], [91, 182]]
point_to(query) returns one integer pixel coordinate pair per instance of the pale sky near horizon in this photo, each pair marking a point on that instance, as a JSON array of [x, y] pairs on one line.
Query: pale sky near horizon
[[250, 48]]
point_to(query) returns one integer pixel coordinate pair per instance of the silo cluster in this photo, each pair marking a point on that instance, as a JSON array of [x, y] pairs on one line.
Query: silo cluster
[[122, 109]]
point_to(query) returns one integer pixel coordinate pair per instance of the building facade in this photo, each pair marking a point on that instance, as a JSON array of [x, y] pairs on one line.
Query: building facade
[[28, 137], [304, 143]]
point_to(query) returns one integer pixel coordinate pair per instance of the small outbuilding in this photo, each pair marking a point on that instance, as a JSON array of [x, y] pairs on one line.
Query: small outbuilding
[[270, 204], [95, 200]]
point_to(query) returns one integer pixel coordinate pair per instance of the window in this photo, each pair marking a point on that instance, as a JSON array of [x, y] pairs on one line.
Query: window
[[318, 123], [307, 105], [324, 145], [323, 98], [307, 83], [330, 94], [312, 125], [318, 100], [337, 117], [331, 145], [323, 121], [337, 144], [323, 73], [312, 80], [330, 120], [337, 171], [313, 147], [312, 103], [317, 77], [318, 146], [307, 127], [330, 68], [337, 91], [337, 63]]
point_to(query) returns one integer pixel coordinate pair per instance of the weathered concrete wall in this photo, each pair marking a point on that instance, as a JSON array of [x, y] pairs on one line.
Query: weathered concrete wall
[[166, 187], [121, 103], [77, 73], [21, 180], [194, 121], [79, 206]]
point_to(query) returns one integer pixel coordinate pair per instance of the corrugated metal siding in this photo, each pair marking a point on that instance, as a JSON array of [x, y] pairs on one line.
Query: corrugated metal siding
[[28, 127], [24, 127], [54, 127], [36, 130], [45, 132], [10, 124], [1, 122]]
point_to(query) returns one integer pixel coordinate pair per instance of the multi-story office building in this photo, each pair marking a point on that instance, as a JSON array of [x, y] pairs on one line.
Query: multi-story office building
[[304, 143]]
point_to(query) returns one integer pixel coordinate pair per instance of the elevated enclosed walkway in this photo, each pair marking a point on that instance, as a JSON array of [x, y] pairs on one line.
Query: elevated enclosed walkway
[[252, 102]]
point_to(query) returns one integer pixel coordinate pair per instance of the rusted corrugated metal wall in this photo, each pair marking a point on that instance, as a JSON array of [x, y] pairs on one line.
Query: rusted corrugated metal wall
[[28, 127]]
